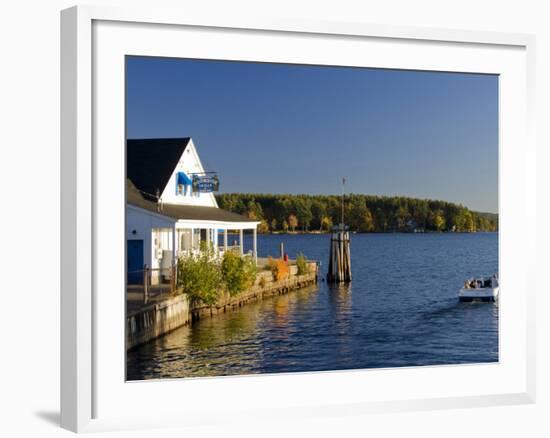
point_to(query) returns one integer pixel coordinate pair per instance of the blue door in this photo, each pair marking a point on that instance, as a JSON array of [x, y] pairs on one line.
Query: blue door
[[135, 261]]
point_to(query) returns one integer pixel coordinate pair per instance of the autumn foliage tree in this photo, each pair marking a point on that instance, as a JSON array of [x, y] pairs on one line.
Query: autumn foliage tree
[[363, 213], [292, 221]]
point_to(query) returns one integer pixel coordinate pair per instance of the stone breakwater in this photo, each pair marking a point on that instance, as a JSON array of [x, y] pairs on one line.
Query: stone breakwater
[[160, 318]]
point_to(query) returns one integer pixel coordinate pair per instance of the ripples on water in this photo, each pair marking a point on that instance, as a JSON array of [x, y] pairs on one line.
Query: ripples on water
[[400, 310]]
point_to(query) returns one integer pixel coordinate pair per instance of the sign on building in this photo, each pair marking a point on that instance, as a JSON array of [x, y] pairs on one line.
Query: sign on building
[[206, 183]]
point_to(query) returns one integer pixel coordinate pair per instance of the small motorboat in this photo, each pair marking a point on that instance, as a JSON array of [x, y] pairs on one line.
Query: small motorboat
[[480, 289]]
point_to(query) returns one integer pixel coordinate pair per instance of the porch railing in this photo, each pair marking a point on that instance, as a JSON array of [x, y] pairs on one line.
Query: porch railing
[[218, 251], [154, 283]]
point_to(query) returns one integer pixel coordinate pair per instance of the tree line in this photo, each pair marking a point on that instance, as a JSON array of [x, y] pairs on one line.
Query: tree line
[[363, 213]]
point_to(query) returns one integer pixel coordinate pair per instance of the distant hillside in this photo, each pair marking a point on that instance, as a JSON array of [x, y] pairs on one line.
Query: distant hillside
[[363, 213]]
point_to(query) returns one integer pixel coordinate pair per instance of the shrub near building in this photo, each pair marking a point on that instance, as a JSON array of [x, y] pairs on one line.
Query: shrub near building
[[279, 268], [204, 277], [238, 273], [200, 278]]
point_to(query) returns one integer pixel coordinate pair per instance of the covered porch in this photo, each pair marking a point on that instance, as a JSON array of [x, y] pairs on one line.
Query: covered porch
[[191, 236], [220, 229]]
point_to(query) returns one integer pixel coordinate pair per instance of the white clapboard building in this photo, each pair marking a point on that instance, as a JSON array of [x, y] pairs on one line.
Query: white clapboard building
[[171, 207]]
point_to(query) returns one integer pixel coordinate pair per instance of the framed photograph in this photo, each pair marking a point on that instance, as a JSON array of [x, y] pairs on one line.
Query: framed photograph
[[270, 215]]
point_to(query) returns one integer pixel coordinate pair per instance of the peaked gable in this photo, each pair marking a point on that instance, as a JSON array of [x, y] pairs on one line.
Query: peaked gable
[[181, 212], [189, 164]]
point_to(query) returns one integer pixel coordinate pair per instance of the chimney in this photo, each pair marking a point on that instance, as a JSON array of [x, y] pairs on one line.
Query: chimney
[[159, 201]]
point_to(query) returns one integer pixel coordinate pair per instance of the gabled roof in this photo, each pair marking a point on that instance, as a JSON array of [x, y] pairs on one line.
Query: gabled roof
[[135, 198], [188, 212], [151, 161]]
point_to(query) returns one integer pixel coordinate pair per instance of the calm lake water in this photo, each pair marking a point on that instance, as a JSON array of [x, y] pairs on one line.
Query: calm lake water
[[400, 310]]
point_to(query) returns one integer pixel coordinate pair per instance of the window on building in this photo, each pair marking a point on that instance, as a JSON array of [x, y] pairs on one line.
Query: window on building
[[183, 184]]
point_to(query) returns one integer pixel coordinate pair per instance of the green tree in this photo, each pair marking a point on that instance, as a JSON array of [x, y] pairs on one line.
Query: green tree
[[359, 216], [303, 212], [469, 224], [356, 212], [254, 210], [368, 222], [263, 227], [381, 221], [318, 211], [402, 217], [438, 221], [459, 221], [285, 226]]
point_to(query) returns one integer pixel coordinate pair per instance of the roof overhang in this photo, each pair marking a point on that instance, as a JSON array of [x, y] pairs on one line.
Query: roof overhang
[[154, 214], [197, 223]]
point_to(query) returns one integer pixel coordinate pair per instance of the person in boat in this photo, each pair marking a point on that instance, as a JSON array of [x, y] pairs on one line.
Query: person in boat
[[470, 284]]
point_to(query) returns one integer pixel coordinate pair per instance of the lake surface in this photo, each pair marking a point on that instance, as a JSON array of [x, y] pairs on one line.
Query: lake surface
[[400, 310]]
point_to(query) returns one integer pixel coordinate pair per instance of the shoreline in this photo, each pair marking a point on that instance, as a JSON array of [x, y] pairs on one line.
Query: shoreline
[[158, 319]]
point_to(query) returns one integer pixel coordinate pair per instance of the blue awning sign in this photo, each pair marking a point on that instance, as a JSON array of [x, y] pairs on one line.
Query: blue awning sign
[[184, 179]]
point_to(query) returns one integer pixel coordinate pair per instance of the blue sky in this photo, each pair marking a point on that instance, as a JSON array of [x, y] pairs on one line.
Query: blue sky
[[280, 128]]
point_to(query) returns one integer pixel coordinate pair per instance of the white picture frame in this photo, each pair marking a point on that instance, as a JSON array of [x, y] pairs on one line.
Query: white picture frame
[[93, 39]]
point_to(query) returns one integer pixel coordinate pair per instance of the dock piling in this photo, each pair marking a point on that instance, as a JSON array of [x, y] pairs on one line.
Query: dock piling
[[339, 265]]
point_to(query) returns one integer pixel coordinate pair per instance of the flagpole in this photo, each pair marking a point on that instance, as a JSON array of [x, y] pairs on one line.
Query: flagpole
[[339, 265], [343, 183]]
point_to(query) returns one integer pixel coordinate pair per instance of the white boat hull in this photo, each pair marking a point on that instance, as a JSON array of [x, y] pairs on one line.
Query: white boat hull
[[479, 294]]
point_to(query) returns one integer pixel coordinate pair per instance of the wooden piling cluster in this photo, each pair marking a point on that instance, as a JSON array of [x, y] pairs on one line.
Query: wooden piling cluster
[[339, 265]]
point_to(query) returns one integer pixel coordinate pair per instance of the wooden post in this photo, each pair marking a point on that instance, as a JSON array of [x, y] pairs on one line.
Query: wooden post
[[173, 279], [145, 284], [255, 245], [174, 242], [225, 239], [241, 241], [282, 249]]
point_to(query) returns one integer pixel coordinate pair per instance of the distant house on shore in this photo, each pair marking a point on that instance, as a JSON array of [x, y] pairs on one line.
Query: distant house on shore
[[171, 207]]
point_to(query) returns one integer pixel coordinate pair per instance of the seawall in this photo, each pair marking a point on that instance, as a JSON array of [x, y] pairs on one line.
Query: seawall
[[156, 320], [160, 318], [264, 287]]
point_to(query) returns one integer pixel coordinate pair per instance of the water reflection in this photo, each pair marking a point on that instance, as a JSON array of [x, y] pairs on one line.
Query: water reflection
[[340, 298], [400, 310]]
